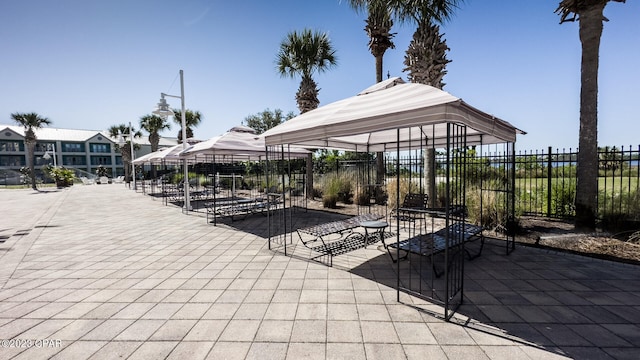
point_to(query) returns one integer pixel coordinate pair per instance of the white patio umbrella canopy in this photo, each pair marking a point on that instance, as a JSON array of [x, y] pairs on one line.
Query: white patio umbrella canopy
[[239, 143], [165, 154], [389, 114]]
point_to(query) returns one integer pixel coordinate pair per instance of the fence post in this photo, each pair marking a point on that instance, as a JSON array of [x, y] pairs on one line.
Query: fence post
[[549, 183]]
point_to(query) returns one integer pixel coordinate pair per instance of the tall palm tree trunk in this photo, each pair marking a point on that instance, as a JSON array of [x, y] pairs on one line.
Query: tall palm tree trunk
[[379, 68], [587, 172], [31, 147]]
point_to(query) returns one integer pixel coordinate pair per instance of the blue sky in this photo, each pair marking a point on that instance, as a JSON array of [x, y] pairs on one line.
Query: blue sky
[[90, 64]]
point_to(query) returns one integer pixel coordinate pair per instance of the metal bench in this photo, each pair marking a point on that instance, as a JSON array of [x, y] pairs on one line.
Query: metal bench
[[347, 240], [435, 243]]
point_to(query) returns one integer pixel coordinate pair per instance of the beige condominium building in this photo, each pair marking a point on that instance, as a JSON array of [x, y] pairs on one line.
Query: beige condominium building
[[83, 150]]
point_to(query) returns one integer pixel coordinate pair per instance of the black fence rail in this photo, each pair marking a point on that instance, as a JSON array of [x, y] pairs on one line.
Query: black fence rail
[[545, 180], [546, 183]]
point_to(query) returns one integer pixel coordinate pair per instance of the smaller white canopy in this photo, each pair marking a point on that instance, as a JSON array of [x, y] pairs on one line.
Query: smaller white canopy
[[388, 114], [239, 143], [165, 154]]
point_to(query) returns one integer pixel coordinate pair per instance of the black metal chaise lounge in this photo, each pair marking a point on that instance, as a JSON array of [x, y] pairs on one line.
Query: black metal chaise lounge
[[347, 239]]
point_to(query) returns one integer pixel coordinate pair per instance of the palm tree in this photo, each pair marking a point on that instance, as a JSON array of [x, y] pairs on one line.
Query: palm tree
[[30, 122], [378, 27], [154, 124], [379, 23], [590, 15], [426, 60], [302, 54], [116, 131], [192, 119], [426, 57]]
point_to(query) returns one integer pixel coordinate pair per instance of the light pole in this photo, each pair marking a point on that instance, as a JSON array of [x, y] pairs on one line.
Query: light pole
[[164, 110], [121, 142]]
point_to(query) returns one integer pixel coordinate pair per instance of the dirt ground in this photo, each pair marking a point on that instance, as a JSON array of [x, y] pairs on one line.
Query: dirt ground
[[556, 234], [562, 235]]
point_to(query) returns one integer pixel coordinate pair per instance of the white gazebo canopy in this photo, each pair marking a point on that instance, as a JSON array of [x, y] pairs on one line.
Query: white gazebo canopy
[[165, 154], [239, 143], [388, 115]]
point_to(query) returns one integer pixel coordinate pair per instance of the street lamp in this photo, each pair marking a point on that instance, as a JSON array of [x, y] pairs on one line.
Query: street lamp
[[121, 142], [164, 110], [46, 155]]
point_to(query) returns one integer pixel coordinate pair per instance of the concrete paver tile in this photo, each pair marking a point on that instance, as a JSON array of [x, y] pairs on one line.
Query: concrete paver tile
[[48, 310], [341, 296], [180, 295], [174, 330], [21, 309], [232, 296], [154, 296], [267, 351], [351, 351], [76, 329], [344, 331], [108, 330], [464, 352], [379, 332], [599, 336], [76, 310], [162, 311], [104, 311], [373, 312], [274, 331], [561, 335], [312, 311], [240, 330], [133, 311], [281, 311], [229, 350], [153, 350], [417, 352], [140, 330], [45, 329], [16, 327], [342, 312], [191, 311], [192, 350], [259, 296], [306, 351], [414, 333], [378, 351], [221, 311], [450, 334], [207, 330], [79, 350], [250, 311], [206, 296]]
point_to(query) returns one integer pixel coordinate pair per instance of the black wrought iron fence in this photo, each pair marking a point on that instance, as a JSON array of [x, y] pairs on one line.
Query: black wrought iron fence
[[545, 180]]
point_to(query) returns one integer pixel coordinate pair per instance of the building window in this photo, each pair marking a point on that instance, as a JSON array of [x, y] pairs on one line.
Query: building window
[[71, 160], [118, 160], [101, 160], [43, 146], [12, 160], [11, 146], [72, 147], [100, 148]]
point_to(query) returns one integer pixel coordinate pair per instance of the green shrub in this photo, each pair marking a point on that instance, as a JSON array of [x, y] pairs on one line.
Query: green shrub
[[338, 186], [330, 201], [406, 186], [563, 196]]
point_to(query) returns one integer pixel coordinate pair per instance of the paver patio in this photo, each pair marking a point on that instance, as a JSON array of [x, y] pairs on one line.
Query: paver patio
[[102, 272]]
